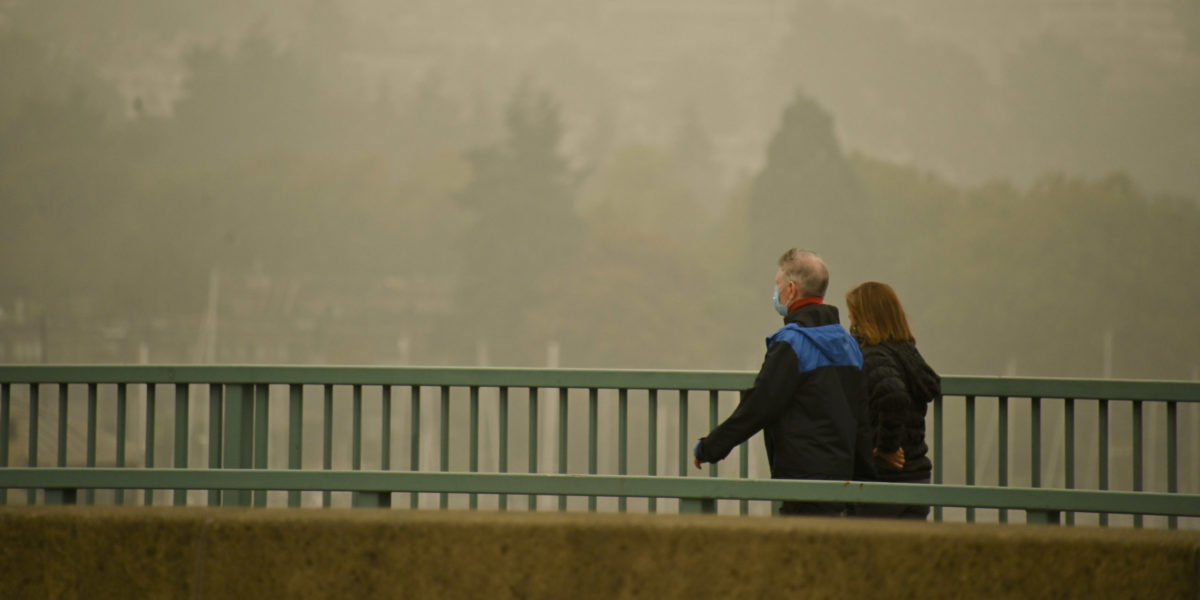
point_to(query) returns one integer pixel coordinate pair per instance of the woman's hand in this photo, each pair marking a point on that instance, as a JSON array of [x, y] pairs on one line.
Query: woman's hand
[[896, 459]]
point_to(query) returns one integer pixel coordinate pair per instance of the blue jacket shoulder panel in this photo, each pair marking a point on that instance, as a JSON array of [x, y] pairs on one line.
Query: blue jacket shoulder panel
[[816, 347]]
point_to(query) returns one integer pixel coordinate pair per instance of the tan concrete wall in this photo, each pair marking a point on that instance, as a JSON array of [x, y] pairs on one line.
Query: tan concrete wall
[[79, 552]]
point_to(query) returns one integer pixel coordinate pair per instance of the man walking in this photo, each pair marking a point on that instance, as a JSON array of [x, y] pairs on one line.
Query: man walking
[[808, 397]]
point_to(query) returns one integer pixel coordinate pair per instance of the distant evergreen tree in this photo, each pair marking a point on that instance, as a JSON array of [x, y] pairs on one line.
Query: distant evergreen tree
[[696, 157], [525, 225], [805, 195]]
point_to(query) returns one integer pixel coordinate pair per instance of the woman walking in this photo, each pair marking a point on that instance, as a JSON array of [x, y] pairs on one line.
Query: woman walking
[[900, 385]]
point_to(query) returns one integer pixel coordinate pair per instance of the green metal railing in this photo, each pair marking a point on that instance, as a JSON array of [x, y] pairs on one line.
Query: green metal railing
[[271, 420]]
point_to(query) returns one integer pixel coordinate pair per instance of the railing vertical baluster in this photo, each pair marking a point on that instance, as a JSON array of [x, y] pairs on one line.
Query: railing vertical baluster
[[1172, 458], [32, 452], [1069, 449], [622, 439], [533, 441], [90, 459], [295, 435], [1002, 451], [5, 419], [182, 438], [683, 432], [1103, 435], [414, 439], [1035, 442], [473, 443], [593, 416], [1137, 455], [652, 454], [970, 442], [62, 424], [712, 424], [119, 459], [444, 442], [503, 448], [327, 441], [744, 473], [215, 428], [262, 423], [562, 440], [385, 429], [356, 428], [938, 455], [148, 462], [238, 442]]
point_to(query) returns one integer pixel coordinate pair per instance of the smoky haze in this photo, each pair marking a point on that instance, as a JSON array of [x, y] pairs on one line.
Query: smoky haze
[[596, 184]]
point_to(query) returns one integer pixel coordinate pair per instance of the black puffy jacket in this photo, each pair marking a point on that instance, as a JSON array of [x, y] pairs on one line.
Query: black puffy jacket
[[809, 401], [900, 385]]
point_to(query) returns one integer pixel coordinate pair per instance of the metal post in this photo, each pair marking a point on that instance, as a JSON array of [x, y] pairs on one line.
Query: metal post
[[562, 440], [182, 437], [970, 442], [62, 424], [1069, 449], [444, 456], [622, 440], [1137, 455], [473, 442], [90, 494], [261, 419], [1103, 433], [5, 420], [593, 416], [295, 435], [148, 448], [533, 441], [1002, 455], [503, 449], [414, 432], [122, 400], [327, 441], [238, 436], [652, 458], [1172, 457], [937, 450]]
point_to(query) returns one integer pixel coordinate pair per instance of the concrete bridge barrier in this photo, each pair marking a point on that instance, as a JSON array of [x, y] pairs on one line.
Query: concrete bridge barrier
[[122, 552]]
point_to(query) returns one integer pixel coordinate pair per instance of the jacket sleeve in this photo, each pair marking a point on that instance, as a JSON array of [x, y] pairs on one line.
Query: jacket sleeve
[[888, 398], [773, 389]]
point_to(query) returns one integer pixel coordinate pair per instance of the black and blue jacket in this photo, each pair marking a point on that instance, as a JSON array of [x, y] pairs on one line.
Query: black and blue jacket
[[809, 401]]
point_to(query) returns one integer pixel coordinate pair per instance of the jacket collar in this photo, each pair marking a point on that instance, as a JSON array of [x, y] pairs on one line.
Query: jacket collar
[[813, 315]]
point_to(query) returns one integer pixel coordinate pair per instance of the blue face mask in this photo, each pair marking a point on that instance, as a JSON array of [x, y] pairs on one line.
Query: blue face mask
[[779, 308]]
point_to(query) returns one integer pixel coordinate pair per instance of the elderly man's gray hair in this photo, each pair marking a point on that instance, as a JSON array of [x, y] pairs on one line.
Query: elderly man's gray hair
[[807, 270]]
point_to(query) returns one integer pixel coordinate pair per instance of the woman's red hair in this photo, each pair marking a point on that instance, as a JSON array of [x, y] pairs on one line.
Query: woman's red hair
[[876, 314]]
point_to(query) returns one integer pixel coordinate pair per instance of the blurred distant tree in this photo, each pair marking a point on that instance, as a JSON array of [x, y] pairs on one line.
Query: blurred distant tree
[[697, 160], [62, 172], [117, 31], [257, 99], [892, 90], [644, 189], [524, 226], [805, 195], [632, 300]]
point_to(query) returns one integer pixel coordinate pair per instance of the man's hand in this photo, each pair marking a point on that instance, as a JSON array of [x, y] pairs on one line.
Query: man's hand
[[896, 459]]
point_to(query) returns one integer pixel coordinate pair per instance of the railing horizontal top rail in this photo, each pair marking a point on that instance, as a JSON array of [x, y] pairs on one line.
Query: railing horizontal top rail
[[1051, 387], [339, 375], [1183, 391], [1040, 499]]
